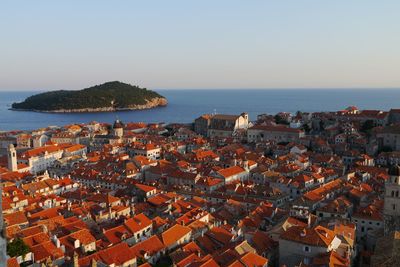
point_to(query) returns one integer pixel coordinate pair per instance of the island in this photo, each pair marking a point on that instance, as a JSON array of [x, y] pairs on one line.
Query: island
[[109, 96]]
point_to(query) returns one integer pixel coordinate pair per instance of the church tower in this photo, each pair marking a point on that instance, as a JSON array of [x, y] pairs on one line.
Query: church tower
[[118, 128], [391, 211], [12, 158]]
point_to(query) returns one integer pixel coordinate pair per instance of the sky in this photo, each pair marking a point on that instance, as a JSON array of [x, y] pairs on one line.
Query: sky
[[46, 45]]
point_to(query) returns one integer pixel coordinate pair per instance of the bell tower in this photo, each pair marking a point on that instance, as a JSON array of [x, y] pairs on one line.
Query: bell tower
[[118, 128], [391, 211], [12, 158]]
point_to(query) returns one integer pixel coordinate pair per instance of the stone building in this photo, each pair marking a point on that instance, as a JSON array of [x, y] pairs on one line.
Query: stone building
[[391, 210], [261, 133], [387, 251], [202, 123], [225, 125], [389, 137], [299, 245]]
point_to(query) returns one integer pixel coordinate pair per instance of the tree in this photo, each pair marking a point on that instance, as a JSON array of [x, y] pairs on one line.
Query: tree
[[321, 125], [280, 120], [386, 149], [17, 248], [107, 95], [306, 128], [367, 126], [140, 261], [164, 261]]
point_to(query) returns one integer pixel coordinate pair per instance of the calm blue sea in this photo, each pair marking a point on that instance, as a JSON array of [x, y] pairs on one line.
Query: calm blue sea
[[185, 105]]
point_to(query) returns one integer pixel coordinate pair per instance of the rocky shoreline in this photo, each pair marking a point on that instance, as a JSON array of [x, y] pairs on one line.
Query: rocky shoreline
[[153, 103]]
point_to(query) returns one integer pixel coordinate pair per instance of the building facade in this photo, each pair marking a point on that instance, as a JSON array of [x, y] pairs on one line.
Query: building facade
[[391, 209]]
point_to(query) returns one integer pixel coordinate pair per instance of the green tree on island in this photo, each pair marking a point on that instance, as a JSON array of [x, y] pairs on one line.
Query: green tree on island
[[108, 95]]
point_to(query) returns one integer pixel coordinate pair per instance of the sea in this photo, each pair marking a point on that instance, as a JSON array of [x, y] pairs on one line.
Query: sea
[[186, 105]]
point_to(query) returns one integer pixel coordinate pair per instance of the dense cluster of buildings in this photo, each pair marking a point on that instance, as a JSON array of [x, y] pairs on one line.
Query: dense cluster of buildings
[[305, 189]]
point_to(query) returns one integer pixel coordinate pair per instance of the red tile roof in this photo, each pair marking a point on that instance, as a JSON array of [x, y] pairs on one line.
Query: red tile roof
[[119, 255], [318, 236], [234, 170], [138, 223], [150, 246], [175, 233]]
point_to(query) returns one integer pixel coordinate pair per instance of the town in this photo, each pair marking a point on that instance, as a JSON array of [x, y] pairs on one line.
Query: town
[[305, 189]]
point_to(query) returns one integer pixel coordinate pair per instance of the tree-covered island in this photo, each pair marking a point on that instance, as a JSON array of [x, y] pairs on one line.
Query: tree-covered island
[[110, 96]]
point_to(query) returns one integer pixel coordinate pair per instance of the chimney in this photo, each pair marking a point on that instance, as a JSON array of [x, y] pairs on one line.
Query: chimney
[[56, 241], [303, 233], [234, 162], [77, 243], [309, 220]]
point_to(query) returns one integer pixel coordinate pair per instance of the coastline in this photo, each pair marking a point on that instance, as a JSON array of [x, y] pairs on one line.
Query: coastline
[[154, 103], [185, 105]]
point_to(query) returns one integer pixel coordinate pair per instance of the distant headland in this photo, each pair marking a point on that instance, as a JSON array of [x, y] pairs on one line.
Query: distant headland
[[109, 96]]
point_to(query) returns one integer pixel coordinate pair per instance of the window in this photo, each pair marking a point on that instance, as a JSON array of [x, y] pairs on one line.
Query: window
[[306, 248]]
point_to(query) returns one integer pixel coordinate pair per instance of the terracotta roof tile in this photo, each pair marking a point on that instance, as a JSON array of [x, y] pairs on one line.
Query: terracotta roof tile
[[174, 233]]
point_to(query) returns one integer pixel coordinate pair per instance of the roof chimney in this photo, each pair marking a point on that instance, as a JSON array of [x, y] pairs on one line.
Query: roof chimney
[[303, 233]]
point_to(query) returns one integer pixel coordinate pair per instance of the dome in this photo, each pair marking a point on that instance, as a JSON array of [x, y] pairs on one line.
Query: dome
[[118, 124], [394, 170]]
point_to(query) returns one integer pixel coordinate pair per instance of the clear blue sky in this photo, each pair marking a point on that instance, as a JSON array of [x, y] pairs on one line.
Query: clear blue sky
[[200, 44]]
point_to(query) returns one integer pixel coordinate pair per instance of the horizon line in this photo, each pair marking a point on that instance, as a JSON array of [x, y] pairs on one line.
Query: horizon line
[[222, 88]]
